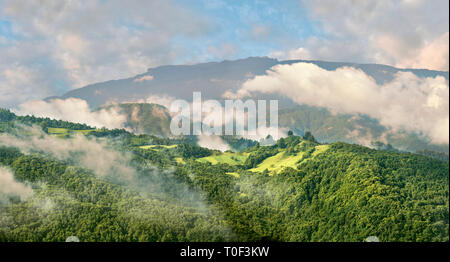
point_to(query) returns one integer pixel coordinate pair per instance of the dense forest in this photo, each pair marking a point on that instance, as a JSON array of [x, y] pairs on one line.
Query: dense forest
[[174, 190]]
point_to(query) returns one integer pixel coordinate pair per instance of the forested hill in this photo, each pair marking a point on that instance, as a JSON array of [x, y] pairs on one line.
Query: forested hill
[[123, 187]]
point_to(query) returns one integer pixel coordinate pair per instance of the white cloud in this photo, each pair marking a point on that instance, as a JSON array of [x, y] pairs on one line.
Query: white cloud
[[434, 53], [408, 102], [67, 44], [17, 83], [408, 33], [213, 142], [163, 100], [10, 187], [143, 79], [92, 153], [73, 110], [299, 53]]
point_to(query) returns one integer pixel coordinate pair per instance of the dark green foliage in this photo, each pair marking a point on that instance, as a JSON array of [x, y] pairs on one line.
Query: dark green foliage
[[347, 193], [238, 144], [309, 137], [7, 117], [259, 155], [74, 202], [192, 151], [344, 193]]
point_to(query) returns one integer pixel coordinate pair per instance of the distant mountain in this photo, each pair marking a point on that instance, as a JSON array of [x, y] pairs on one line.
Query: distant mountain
[[215, 78], [212, 79]]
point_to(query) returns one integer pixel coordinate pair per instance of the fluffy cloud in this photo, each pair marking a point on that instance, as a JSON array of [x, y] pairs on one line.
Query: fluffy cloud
[[299, 53], [67, 44], [73, 110], [10, 187], [408, 102], [17, 82], [406, 33]]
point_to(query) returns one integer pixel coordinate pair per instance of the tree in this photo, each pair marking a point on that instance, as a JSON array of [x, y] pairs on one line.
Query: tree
[[308, 136]]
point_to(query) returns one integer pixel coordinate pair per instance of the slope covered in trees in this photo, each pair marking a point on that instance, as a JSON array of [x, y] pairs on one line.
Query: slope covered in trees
[[295, 190]]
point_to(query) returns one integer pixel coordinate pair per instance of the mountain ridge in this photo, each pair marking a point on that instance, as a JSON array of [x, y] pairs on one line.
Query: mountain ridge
[[211, 78]]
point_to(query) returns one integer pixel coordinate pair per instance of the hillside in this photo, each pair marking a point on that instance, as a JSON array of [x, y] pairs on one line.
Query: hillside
[[161, 189], [211, 79], [145, 118], [163, 84], [355, 129]]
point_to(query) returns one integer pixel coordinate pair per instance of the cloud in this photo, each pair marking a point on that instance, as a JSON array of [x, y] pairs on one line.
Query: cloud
[[73, 110], [17, 83], [67, 44], [299, 53], [100, 155], [143, 79], [213, 142], [406, 103], [404, 33], [163, 100], [224, 51], [10, 187], [433, 54], [92, 153]]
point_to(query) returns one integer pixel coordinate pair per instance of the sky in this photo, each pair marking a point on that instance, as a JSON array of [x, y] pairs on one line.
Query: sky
[[50, 47]]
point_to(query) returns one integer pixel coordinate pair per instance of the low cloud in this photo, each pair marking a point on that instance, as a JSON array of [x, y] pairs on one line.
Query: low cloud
[[73, 110], [406, 103], [10, 187], [102, 157], [163, 100], [213, 142], [92, 153]]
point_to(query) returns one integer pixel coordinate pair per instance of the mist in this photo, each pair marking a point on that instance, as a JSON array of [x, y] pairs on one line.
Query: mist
[[407, 103], [73, 110], [106, 160], [9, 187], [213, 142]]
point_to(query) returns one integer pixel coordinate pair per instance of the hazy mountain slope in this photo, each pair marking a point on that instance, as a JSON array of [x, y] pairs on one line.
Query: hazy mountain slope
[[212, 79], [363, 130], [146, 118], [215, 78]]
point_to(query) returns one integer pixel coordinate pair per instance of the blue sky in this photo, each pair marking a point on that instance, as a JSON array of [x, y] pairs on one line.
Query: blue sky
[[50, 47], [255, 28]]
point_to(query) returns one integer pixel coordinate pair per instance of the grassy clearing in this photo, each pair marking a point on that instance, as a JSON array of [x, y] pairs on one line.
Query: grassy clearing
[[64, 132], [278, 162], [235, 174], [225, 158], [56, 131], [158, 147], [320, 149], [180, 160], [84, 132]]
